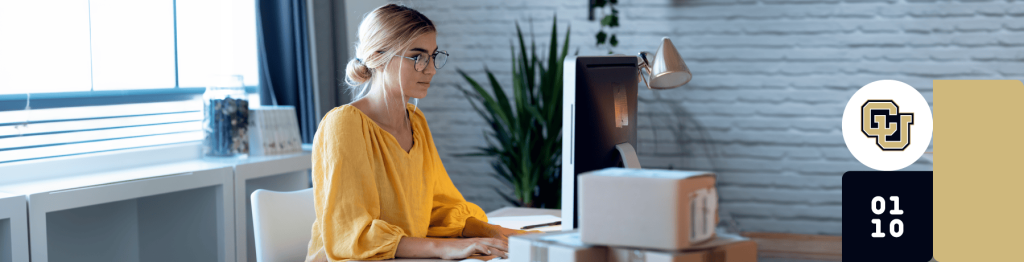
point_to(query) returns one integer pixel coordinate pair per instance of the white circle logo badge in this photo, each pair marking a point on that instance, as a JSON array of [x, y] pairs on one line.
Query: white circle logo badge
[[887, 125]]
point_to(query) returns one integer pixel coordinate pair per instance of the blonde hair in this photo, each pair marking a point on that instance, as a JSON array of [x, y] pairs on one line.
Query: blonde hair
[[383, 33]]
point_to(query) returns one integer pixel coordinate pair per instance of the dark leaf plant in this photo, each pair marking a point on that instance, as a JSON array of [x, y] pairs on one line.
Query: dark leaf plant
[[525, 132]]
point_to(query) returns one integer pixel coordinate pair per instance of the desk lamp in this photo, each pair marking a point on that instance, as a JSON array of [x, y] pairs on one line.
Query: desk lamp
[[668, 70]]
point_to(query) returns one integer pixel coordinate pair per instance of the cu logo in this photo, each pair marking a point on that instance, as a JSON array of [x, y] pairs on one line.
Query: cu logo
[[882, 120]]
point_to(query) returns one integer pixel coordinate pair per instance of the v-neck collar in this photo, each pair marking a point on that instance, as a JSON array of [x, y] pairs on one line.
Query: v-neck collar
[[394, 140]]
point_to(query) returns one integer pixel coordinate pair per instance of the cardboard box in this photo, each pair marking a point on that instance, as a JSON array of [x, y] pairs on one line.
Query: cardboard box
[[647, 208], [554, 247], [723, 248], [641, 255]]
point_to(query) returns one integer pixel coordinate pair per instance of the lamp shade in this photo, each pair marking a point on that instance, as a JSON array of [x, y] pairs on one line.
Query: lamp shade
[[668, 69]]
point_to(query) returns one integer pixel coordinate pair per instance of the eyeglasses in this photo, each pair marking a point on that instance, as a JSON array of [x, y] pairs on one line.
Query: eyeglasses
[[440, 57]]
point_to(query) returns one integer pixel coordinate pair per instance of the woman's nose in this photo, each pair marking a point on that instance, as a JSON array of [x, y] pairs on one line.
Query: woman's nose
[[430, 70]]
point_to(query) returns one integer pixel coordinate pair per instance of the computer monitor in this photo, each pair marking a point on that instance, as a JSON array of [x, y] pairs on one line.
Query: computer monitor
[[599, 121]]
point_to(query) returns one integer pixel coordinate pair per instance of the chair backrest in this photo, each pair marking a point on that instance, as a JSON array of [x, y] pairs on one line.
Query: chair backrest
[[282, 223]]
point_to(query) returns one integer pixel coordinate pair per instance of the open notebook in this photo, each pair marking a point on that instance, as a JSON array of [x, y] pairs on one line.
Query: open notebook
[[477, 260]]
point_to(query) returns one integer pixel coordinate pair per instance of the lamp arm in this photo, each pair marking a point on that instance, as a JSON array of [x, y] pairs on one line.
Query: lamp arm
[[640, 73], [643, 63], [642, 58]]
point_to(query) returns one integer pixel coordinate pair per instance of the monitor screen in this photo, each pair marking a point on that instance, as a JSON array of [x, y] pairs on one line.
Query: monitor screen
[[600, 99]]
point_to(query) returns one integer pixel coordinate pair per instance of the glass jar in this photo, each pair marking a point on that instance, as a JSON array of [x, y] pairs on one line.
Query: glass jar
[[225, 118]]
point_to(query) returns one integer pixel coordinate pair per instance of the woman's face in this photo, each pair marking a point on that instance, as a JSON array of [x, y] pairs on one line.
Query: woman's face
[[414, 83]]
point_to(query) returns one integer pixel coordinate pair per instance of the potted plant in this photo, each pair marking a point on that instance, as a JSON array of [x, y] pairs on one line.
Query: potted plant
[[525, 133]]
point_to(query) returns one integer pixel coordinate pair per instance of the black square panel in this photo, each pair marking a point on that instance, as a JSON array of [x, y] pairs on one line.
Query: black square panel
[[872, 232]]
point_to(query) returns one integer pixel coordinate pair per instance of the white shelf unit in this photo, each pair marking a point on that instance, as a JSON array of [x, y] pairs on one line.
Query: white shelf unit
[[179, 211], [278, 173], [13, 228], [162, 204]]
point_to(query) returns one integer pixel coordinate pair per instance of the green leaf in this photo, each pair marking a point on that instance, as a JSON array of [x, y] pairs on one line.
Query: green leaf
[[502, 172], [519, 94], [470, 97], [536, 114], [526, 68], [524, 166], [473, 154], [599, 3], [614, 41], [549, 143], [533, 62], [488, 102], [601, 36], [614, 20], [556, 100], [499, 93], [552, 55], [607, 20]]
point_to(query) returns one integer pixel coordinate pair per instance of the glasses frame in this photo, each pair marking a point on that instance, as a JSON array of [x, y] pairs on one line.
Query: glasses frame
[[433, 57]]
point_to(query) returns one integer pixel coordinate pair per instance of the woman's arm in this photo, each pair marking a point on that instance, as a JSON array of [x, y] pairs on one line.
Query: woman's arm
[[415, 247]]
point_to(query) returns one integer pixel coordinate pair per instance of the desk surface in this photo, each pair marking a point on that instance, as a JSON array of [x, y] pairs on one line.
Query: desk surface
[[502, 212]]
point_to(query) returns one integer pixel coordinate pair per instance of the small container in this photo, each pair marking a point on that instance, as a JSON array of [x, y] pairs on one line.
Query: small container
[[226, 118]]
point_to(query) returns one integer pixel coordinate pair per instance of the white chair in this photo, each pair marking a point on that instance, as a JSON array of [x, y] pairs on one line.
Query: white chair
[[282, 223]]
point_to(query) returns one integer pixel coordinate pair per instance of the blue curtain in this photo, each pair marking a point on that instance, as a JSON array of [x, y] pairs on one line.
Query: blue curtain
[[284, 57]]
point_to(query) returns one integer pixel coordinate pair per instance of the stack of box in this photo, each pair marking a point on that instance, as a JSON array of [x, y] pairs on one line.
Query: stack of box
[[722, 248], [274, 130], [641, 215]]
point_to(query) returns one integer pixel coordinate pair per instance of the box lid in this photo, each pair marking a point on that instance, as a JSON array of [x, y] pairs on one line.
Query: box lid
[[564, 238]]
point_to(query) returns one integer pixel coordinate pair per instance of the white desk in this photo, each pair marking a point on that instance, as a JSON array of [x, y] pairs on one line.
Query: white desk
[[502, 212], [167, 212], [13, 228]]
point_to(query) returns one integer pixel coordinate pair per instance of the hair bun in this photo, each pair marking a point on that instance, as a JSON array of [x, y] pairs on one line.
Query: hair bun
[[356, 72]]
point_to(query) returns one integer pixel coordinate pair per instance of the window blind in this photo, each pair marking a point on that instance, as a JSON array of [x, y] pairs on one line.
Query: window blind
[[102, 75], [43, 133]]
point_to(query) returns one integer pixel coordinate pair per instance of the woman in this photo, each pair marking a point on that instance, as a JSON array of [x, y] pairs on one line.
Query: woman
[[381, 189]]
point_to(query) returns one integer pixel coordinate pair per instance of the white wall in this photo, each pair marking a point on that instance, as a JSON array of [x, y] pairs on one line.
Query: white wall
[[771, 79]]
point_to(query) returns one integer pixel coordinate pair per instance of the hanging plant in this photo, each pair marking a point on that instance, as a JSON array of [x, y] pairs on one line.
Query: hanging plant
[[610, 19]]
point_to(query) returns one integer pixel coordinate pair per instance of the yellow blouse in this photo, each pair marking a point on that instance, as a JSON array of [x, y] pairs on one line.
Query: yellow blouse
[[370, 192]]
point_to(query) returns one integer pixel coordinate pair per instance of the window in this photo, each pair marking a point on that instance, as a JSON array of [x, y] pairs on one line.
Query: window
[[83, 76]]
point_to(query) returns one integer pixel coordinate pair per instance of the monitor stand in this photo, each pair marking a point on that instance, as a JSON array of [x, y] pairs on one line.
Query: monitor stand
[[628, 156]]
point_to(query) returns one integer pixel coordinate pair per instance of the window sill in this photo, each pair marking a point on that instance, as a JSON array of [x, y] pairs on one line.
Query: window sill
[[65, 173]]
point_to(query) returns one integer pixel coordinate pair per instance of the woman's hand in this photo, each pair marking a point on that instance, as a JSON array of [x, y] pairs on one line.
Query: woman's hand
[[504, 233], [465, 247], [476, 228]]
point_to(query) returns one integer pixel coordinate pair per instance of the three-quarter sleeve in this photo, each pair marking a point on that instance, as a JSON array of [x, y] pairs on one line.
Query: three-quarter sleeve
[[450, 210], [347, 202]]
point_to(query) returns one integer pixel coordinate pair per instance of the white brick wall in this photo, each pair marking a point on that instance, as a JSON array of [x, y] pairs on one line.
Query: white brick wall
[[771, 78]]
